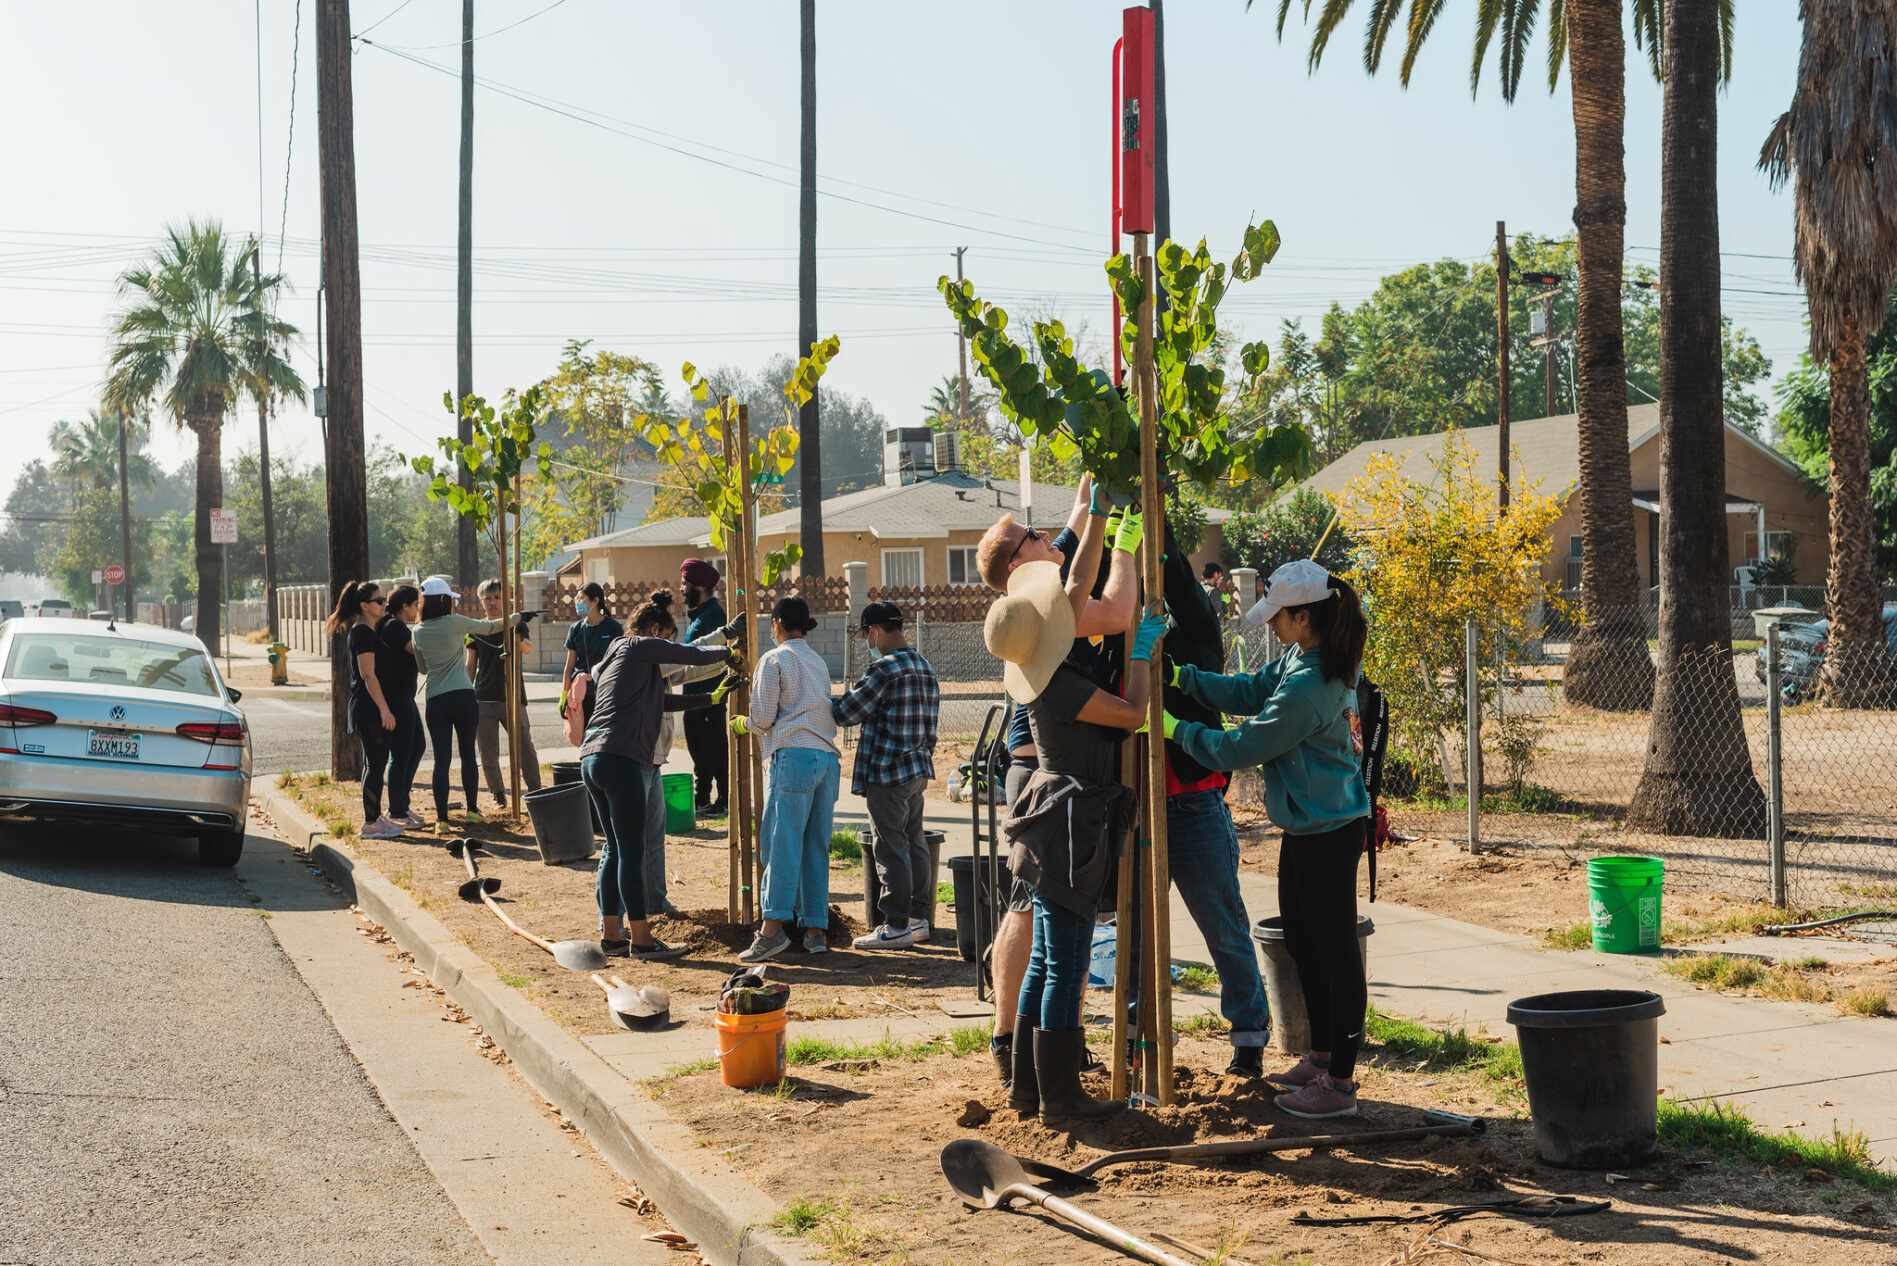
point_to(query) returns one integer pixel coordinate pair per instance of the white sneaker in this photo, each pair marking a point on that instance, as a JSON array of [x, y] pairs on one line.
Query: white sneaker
[[816, 941], [383, 828], [412, 822], [922, 930], [886, 937]]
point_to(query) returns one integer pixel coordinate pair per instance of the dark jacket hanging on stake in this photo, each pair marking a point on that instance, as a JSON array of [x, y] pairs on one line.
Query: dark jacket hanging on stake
[[1373, 710]]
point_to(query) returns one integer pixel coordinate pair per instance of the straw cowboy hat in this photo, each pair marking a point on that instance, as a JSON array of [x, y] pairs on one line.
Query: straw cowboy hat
[[1030, 629]]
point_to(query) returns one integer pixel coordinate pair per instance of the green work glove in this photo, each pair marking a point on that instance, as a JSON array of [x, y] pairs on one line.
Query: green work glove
[[726, 686], [1150, 630], [1131, 531], [563, 701], [1097, 500], [1171, 723], [740, 726], [1113, 525], [1173, 679]]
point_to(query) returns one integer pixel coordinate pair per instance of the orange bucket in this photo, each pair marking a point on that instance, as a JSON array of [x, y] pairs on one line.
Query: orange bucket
[[751, 1048]]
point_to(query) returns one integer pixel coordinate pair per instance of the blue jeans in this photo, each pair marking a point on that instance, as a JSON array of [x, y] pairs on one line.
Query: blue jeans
[[1202, 846], [1057, 967], [617, 785], [800, 797], [653, 871]]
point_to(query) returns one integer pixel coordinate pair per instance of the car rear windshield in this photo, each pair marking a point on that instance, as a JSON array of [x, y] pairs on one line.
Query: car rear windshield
[[110, 661]]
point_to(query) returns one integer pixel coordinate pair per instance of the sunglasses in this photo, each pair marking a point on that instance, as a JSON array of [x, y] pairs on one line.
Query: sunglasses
[[379, 600], [1027, 534]]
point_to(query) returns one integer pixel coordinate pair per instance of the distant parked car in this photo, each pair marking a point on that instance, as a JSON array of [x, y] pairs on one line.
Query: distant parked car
[[1801, 654], [55, 607], [11, 609], [123, 725]]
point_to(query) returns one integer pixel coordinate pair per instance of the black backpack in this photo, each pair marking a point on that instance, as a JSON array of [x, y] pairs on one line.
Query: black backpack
[[1374, 712]]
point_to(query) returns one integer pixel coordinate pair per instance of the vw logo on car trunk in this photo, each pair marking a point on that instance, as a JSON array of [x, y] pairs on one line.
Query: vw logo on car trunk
[[118, 712]]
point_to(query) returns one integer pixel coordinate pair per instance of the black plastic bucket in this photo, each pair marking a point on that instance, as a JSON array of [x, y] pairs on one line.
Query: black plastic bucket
[[568, 771], [559, 821], [1284, 990], [1591, 1058], [972, 887], [873, 884]]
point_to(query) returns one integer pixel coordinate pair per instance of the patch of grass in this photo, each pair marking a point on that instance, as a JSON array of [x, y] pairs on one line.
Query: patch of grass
[[846, 848], [1528, 798], [1202, 1024], [1789, 983], [1721, 971], [1865, 1002], [945, 894], [676, 1071], [816, 1050], [1728, 1133], [1455, 1048], [804, 1215], [1571, 936], [521, 982], [1810, 964], [289, 780], [321, 779], [1197, 979]]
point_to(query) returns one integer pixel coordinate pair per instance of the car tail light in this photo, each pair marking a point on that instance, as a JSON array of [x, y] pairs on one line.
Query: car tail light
[[13, 715], [1818, 647], [212, 731]]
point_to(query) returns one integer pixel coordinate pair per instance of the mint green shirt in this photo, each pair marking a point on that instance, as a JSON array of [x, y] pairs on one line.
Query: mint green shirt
[[441, 650]]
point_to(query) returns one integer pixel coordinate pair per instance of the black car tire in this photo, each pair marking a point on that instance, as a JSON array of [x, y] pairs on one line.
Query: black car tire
[[221, 848]]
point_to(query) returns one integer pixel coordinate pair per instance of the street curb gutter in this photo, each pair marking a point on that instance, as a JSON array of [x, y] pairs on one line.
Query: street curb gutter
[[705, 1198]]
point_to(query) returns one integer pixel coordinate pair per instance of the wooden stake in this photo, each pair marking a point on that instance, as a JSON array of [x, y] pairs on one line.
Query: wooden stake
[[748, 765], [734, 744], [1127, 913], [510, 662], [1158, 1003]]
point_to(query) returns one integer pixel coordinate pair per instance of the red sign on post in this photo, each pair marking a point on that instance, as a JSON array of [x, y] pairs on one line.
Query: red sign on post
[[1136, 121], [114, 574]]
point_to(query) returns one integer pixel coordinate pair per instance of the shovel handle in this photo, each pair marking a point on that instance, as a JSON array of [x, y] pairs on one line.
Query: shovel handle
[[1250, 1147], [1097, 1226], [518, 930]]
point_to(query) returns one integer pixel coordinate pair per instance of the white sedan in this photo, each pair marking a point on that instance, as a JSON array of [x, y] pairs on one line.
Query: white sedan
[[121, 725]]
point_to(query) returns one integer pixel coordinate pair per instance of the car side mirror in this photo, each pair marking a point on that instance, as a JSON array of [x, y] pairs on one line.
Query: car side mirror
[[235, 694]]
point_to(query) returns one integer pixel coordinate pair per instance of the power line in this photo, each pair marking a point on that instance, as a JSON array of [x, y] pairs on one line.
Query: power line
[[458, 43], [289, 147], [379, 21]]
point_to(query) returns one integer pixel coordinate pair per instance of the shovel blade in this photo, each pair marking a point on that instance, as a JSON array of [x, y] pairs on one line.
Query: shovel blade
[[579, 955], [980, 1172], [471, 889]]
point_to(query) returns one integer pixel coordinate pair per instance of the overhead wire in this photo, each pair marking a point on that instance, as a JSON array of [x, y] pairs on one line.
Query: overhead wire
[[501, 30]]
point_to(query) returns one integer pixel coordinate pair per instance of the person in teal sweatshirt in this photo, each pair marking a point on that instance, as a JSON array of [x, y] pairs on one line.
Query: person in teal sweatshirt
[[1298, 734]]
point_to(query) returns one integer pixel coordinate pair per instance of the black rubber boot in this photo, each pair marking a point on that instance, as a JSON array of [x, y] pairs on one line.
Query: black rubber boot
[[1057, 1056], [1247, 1061], [1024, 1088], [1002, 1048]]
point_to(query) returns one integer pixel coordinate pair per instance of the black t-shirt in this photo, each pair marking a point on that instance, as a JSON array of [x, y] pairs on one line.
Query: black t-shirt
[[1068, 745], [362, 639], [395, 665], [588, 642], [487, 665]]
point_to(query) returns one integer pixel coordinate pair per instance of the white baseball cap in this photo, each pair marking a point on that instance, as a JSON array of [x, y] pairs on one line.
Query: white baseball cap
[[438, 587], [1292, 585]]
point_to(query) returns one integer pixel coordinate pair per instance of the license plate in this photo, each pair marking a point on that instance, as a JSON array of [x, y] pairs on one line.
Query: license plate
[[112, 745]]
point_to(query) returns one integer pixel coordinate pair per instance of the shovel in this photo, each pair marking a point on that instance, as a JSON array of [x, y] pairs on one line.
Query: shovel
[[985, 1176], [635, 1010], [1442, 1125], [572, 955]]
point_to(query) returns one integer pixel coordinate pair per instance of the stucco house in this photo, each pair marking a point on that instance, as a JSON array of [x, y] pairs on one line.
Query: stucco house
[[1768, 499]]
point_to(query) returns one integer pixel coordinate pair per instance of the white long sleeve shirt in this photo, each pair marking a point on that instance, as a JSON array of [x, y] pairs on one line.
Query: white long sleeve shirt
[[790, 700]]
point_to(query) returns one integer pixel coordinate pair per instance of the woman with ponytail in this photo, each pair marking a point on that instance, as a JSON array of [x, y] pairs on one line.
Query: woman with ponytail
[[1299, 736], [359, 607]]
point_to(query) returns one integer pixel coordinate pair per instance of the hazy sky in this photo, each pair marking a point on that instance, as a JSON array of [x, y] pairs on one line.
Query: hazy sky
[[984, 123]]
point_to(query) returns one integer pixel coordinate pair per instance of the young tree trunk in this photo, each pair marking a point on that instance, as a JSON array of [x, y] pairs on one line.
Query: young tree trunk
[[344, 466], [1698, 778], [467, 559], [1856, 663], [209, 429], [1609, 666], [810, 417]]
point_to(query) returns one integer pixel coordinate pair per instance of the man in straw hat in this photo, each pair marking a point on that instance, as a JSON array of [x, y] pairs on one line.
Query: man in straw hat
[[1007, 546], [1069, 821]]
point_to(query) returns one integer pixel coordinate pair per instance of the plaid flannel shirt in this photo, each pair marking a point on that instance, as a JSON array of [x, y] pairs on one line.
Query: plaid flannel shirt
[[897, 702]]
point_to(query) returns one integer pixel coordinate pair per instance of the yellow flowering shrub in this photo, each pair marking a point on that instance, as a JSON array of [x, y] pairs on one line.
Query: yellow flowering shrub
[[1431, 556]]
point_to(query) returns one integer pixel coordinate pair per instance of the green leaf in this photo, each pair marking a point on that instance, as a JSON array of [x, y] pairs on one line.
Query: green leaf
[[1255, 357]]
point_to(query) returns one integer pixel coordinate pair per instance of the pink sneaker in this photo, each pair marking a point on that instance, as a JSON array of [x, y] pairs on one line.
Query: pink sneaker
[[1297, 1078], [1323, 1097]]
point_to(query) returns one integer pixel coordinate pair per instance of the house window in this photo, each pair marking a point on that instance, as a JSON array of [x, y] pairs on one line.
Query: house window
[[1574, 547], [902, 567], [1776, 543], [596, 571], [961, 563]]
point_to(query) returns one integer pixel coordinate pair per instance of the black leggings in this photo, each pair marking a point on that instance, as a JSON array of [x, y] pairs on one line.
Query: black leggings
[[1317, 898], [378, 747], [450, 716]]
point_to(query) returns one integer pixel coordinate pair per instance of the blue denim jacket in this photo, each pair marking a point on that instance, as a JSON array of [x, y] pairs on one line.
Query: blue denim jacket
[[1298, 733]]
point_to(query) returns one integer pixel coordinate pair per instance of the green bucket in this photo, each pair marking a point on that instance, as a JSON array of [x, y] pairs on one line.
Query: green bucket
[[680, 813], [1623, 903]]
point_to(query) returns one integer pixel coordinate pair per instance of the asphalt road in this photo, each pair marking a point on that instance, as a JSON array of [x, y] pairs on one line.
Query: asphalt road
[[293, 734], [171, 1090]]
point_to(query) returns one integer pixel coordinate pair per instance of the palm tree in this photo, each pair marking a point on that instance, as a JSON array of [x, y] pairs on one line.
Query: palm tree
[[86, 454], [1698, 777], [1609, 666], [1837, 141], [197, 330], [944, 405], [809, 418]]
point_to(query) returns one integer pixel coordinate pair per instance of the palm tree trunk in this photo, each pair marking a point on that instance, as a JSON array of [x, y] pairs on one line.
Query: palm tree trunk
[[209, 428], [809, 418], [1609, 666], [1855, 661], [467, 560], [1698, 778]]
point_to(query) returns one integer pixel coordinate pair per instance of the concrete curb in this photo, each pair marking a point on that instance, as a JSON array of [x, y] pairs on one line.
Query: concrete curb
[[706, 1199]]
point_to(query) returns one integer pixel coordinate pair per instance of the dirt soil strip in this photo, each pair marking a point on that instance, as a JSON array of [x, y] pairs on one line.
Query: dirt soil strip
[[708, 1200]]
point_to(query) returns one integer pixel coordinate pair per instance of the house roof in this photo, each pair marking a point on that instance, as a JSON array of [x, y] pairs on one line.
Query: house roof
[[1547, 450], [928, 509]]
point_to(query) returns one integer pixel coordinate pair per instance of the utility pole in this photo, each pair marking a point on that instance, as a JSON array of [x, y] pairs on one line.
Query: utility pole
[[961, 354], [125, 518], [343, 451], [263, 462], [467, 559], [1501, 362], [1547, 352], [810, 416]]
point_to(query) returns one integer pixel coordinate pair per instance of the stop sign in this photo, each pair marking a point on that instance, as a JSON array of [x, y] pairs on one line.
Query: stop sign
[[114, 574]]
